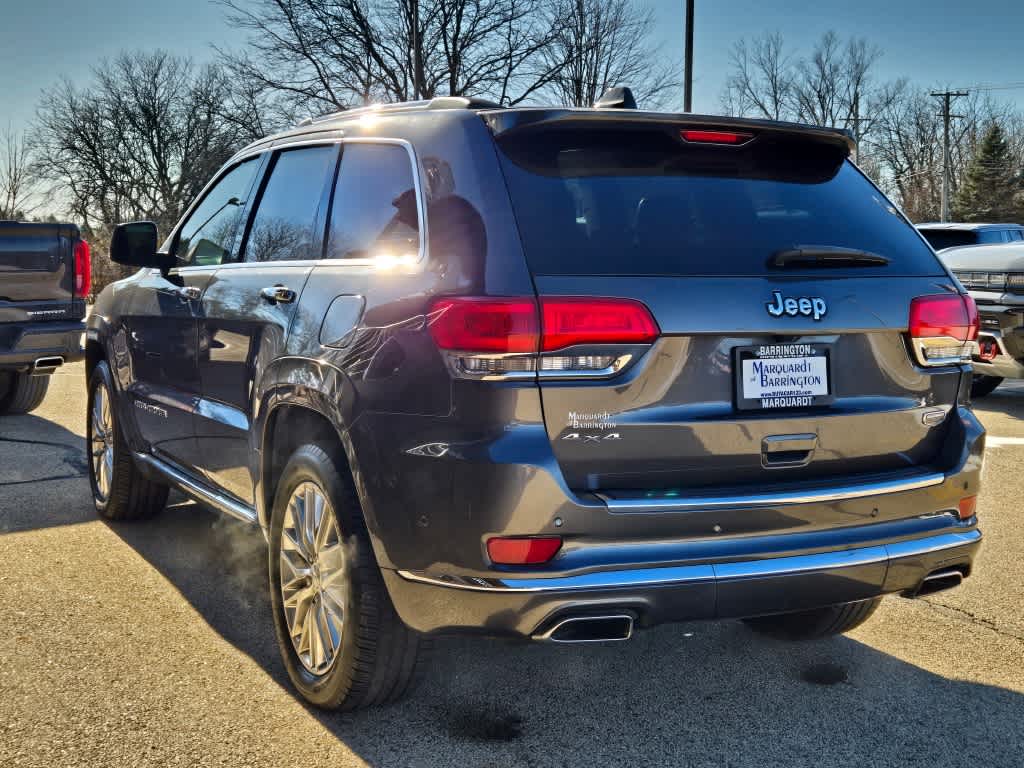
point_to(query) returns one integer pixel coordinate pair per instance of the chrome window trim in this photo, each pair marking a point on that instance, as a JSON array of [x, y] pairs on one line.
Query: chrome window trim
[[716, 572], [421, 202]]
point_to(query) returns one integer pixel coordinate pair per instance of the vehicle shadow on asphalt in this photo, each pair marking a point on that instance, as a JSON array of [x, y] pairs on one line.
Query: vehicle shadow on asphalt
[[42, 459], [1008, 399], [697, 694]]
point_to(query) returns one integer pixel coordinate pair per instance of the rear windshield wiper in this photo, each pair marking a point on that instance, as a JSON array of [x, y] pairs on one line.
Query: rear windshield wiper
[[825, 256]]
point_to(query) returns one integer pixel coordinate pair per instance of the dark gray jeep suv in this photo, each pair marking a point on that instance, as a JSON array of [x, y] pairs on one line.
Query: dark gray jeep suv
[[546, 373]]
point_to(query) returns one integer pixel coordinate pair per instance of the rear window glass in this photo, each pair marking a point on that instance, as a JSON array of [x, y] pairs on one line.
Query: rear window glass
[[643, 203], [949, 238]]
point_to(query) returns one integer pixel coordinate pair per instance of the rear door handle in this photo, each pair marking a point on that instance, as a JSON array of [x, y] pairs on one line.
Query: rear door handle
[[278, 294]]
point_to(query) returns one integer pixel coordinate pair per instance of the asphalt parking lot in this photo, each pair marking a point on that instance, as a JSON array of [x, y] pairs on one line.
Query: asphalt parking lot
[[151, 644]]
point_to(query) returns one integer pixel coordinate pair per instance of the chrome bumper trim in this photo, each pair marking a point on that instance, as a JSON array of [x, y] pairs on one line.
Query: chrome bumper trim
[[775, 498], [718, 572]]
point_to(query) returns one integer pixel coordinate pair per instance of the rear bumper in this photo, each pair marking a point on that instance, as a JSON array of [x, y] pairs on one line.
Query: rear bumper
[[732, 589], [21, 344]]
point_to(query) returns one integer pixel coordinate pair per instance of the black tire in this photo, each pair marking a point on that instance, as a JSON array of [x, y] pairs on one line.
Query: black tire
[[379, 659], [131, 495], [23, 393], [984, 385], [820, 622]]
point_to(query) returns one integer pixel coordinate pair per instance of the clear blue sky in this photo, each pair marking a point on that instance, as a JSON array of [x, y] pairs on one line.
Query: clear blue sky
[[930, 41]]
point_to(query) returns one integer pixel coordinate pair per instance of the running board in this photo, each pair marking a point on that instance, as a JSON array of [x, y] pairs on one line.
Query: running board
[[196, 491]]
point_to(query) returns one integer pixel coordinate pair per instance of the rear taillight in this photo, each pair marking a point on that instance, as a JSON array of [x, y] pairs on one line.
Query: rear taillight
[[942, 328], [83, 269], [557, 336], [523, 550]]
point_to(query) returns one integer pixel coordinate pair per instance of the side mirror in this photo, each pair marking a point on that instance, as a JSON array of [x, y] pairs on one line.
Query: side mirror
[[134, 245]]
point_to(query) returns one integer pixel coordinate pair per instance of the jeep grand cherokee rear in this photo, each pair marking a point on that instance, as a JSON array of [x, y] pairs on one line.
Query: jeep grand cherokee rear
[[544, 373], [753, 387]]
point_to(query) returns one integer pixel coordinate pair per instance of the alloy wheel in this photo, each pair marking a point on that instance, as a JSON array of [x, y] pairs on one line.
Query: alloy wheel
[[314, 583], [101, 443]]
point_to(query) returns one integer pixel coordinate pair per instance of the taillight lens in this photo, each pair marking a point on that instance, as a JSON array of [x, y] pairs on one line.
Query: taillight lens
[[83, 269], [942, 327], [567, 322], [501, 337], [523, 550], [497, 326], [703, 136]]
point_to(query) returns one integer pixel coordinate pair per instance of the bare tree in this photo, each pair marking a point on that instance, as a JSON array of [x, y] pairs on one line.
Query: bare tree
[[139, 141], [18, 183], [603, 43], [762, 80], [307, 56]]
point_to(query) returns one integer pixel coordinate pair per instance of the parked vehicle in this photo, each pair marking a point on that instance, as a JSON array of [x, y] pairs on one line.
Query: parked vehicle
[[44, 281], [948, 235], [994, 275], [545, 373]]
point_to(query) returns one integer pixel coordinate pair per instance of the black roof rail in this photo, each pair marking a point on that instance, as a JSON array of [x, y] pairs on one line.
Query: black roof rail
[[439, 102]]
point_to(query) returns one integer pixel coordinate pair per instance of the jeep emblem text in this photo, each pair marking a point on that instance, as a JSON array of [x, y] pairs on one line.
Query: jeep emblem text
[[811, 306]]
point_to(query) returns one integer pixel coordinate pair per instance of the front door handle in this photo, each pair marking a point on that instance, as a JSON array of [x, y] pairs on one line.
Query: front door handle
[[189, 292], [278, 294]]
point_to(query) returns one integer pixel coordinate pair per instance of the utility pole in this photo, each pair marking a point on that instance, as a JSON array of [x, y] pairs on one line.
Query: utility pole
[[688, 74], [947, 98], [416, 54]]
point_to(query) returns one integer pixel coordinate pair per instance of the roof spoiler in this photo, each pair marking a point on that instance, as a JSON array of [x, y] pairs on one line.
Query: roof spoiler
[[509, 122]]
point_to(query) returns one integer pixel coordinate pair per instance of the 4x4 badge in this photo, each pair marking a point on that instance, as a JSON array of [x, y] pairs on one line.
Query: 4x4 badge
[[810, 306]]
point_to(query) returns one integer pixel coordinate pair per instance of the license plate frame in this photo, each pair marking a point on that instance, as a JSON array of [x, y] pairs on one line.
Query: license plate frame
[[809, 396]]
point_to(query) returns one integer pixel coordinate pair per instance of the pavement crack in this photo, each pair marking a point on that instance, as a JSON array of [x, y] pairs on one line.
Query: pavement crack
[[4, 484], [971, 618]]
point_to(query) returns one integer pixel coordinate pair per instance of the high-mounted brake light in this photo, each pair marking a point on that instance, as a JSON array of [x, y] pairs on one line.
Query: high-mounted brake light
[[523, 550], [515, 337], [942, 328], [83, 269], [701, 136]]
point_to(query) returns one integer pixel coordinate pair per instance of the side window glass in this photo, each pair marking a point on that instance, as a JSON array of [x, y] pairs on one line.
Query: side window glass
[[208, 235], [1016, 234], [374, 213], [284, 226]]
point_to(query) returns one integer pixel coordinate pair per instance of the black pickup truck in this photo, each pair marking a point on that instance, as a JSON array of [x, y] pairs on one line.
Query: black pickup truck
[[44, 282]]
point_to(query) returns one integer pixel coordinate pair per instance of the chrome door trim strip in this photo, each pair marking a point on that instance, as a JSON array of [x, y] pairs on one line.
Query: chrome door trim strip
[[774, 498], [719, 572], [198, 492]]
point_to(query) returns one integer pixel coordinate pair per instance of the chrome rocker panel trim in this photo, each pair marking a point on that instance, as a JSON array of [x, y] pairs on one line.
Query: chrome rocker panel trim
[[178, 479], [718, 572], [775, 498]]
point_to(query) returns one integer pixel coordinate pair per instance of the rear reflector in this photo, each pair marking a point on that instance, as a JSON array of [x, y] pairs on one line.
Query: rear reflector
[[941, 326], [734, 138], [522, 550], [967, 506], [83, 269]]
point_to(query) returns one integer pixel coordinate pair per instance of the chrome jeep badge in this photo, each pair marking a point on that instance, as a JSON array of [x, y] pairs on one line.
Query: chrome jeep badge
[[809, 306]]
